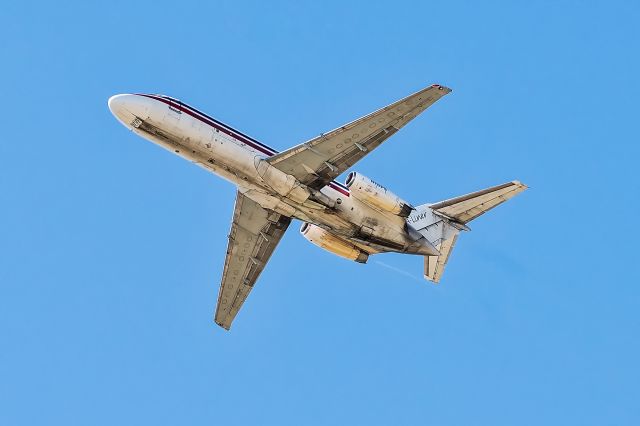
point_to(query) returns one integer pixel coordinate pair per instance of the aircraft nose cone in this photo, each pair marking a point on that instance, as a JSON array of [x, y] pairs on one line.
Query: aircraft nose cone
[[126, 108], [116, 103]]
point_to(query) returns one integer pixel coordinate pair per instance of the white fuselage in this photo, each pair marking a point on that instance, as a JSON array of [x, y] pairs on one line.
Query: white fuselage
[[234, 156]]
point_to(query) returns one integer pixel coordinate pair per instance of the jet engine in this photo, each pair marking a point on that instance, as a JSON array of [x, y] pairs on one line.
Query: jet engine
[[377, 195], [333, 243]]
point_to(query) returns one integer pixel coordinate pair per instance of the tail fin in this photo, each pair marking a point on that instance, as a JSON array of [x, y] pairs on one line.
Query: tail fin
[[434, 265], [441, 222]]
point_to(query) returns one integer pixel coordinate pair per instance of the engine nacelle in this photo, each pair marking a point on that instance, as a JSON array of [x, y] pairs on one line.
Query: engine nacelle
[[377, 195], [333, 243]]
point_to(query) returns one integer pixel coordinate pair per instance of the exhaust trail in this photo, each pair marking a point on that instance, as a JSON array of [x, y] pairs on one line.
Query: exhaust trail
[[399, 271]]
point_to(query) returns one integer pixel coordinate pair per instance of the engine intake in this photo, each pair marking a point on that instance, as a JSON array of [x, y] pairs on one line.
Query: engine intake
[[332, 243], [377, 195]]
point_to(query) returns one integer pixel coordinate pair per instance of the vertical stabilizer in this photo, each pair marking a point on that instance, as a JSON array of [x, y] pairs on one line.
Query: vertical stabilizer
[[439, 231], [434, 265]]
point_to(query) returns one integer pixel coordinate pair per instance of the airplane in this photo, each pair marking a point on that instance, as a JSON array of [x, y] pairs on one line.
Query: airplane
[[353, 220]]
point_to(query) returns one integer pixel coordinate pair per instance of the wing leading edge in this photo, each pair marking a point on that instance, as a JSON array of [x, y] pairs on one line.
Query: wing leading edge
[[255, 233], [320, 160]]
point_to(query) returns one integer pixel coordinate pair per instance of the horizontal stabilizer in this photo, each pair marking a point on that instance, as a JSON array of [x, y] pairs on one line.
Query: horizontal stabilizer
[[465, 208]]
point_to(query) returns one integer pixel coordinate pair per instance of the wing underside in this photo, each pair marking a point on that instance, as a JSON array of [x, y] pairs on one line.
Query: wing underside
[[255, 233], [317, 162]]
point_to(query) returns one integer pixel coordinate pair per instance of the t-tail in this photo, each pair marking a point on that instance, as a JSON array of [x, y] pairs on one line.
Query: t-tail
[[440, 223]]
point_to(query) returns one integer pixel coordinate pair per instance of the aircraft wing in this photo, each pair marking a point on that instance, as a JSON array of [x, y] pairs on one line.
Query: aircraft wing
[[320, 160], [468, 207], [255, 233]]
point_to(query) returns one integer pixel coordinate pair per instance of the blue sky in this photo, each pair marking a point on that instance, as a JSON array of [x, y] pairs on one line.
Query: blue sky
[[111, 249]]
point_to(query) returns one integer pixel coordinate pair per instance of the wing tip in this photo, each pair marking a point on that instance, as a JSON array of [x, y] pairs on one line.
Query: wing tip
[[227, 327], [433, 280], [445, 89], [520, 184]]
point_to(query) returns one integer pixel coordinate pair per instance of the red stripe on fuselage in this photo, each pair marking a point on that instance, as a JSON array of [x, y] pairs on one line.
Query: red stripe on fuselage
[[333, 185]]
